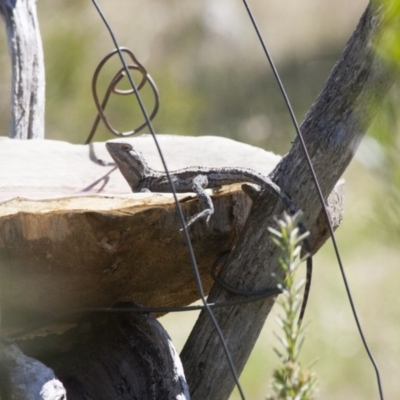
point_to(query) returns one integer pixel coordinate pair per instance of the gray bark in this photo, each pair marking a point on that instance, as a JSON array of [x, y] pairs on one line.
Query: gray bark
[[332, 131], [115, 355], [24, 378], [28, 80]]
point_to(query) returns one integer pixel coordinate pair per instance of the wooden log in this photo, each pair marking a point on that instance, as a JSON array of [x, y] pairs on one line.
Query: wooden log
[[63, 254], [103, 245]]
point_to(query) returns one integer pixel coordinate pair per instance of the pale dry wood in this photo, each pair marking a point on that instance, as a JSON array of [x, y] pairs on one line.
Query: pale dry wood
[[28, 80], [332, 130]]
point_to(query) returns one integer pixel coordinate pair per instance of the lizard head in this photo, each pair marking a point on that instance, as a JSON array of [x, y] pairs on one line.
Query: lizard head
[[130, 162]]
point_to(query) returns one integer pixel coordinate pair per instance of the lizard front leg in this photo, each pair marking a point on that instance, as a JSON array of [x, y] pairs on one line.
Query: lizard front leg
[[199, 184]]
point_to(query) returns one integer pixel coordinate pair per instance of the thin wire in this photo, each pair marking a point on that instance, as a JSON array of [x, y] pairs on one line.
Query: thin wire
[[179, 209], [255, 296], [321, 197], [136, 308]]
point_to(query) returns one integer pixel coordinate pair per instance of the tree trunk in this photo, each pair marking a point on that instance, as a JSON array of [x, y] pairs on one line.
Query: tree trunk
[[332, 131], [28, 81], [115, 355]]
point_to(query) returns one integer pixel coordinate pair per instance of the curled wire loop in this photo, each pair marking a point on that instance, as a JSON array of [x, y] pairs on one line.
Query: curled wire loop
[[112, 88]]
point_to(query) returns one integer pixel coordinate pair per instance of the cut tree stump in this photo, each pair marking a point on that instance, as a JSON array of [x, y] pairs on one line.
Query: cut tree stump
[[75, 241], [75, 237]]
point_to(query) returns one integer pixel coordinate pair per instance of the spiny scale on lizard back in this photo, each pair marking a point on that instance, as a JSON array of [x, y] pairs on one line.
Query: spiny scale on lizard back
[[139, 175]]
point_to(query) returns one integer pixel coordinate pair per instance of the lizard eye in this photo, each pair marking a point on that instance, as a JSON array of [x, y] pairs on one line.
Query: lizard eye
[[126, 147]]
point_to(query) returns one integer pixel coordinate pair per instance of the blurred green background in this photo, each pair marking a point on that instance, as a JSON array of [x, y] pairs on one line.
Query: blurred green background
[[214, 80]]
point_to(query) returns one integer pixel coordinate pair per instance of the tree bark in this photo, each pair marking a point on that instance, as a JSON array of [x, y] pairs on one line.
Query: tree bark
[[28, 80], [332, 131], [120, 354]]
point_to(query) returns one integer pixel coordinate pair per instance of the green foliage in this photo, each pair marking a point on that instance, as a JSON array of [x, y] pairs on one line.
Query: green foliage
[[385, 128], [291, 381], [386, 131], [388, 38]]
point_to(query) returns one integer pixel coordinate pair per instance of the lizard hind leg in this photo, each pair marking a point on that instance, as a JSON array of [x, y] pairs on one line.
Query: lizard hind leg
[[199, 184]]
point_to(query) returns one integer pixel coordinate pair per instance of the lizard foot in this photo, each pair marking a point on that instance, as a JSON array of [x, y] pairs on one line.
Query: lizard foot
[[203, 214]]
